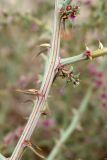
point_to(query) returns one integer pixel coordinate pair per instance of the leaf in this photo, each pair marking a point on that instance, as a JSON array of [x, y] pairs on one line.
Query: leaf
[[45, 48]]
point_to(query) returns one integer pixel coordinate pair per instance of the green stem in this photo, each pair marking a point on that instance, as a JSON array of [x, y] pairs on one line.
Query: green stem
[[2, 157], [82, 57], [72, 125], [45, 87]]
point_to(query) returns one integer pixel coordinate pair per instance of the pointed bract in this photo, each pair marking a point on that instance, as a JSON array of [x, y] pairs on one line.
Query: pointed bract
[[100, 45], [87, 48]]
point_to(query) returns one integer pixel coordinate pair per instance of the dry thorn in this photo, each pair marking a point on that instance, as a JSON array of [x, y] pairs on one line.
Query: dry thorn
[[37, 150], [46, 110], [45, 45], [30, 92], [88, 52], [100, 45]]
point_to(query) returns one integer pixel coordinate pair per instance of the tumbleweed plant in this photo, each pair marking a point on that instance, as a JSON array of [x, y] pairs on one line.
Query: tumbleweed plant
[[56, 67]]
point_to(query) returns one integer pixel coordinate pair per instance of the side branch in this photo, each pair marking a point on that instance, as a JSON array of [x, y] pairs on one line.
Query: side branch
[[2, 157], [71, 128], [81, 57]]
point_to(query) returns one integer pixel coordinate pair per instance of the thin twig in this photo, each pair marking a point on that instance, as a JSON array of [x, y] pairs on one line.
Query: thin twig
[[74, 122], [82, 57]]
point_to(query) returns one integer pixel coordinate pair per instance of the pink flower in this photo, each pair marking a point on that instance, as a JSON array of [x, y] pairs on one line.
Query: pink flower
[[73, 16], [104, 96], [34, 27], [23, 81], [49, 123], [12, 137], [88, 2], [100, 83]]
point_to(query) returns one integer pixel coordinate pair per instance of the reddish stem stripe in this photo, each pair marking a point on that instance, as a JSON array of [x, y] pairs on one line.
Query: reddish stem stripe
[[36, 113], [41, 99]]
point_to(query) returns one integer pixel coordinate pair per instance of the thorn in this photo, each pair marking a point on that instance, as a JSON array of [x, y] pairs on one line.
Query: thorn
[[28, 91], [37, 150], [87, 48], [88, 52], [31, 92], [45, 45], [100, 45], [45, 111], [90, 57]]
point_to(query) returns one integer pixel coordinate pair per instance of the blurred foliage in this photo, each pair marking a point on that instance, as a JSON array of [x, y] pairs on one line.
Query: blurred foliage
[[24, 25]]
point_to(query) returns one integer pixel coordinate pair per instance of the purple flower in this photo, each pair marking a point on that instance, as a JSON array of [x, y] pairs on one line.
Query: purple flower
[[104, 96], [12, 137], [88, 2], [34, 27], [23, 81], [73, 16], [49, 123]]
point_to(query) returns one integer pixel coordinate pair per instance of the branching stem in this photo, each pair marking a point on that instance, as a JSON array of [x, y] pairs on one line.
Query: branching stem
[[45, 87], [50, 70]]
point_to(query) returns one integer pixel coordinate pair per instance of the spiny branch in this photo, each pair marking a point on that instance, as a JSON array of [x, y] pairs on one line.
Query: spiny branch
[[82, 57], [45, 87], [74, 122]]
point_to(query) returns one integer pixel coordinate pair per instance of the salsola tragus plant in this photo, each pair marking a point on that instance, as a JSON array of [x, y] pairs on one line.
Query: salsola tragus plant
[[65, 10]]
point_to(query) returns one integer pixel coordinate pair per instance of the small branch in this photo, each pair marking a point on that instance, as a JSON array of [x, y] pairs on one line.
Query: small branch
[[74, 122], [82, 57], [16, 16]]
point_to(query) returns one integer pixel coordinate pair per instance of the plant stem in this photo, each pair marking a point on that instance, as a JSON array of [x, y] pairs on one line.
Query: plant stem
[[50, 70], [74, 122], [2, 157], [82, 57], [45, 87]]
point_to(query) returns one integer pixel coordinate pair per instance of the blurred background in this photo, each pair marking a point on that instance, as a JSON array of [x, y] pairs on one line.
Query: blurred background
[[24, 25]]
